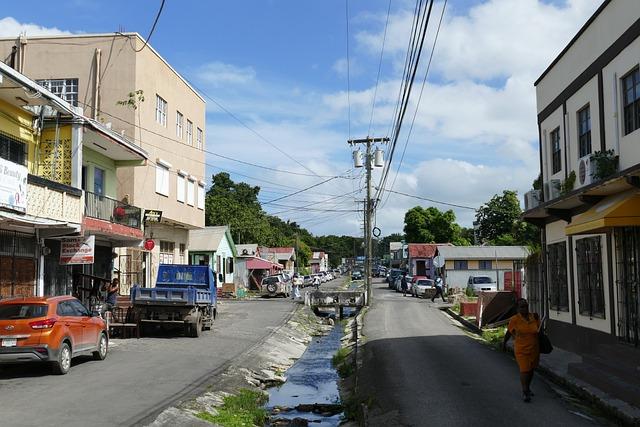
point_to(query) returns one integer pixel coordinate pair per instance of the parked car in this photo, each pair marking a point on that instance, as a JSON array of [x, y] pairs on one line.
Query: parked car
[[275, 286], [393, 274], [422, 287], [477, 284], [307, 281], [50, 330], [397, 286], [356, 275]]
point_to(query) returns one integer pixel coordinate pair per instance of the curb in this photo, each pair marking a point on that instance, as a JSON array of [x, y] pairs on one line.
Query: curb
[[472, 327]]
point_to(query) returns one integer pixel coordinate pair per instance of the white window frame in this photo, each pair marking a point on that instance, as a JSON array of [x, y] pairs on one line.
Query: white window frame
[[179, 122], [66, 89], [161, 110], [189, 132], [199, 139], [162, 179], [181, 184], [167, 252], [191, 190], [201, 195]]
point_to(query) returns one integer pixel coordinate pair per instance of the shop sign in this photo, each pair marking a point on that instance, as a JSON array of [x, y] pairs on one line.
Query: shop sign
[[152, 215], [13, 186], [77, 250]]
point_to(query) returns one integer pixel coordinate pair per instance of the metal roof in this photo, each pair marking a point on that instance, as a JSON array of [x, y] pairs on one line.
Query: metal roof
[[483, 252], [208, 238]]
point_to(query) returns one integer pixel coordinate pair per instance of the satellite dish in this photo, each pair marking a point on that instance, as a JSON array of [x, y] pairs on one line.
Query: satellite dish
[[438, 261]]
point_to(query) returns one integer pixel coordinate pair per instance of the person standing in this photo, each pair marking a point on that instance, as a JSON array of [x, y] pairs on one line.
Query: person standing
[[403, 283], [112, 289], [439, 290], [524, 326]]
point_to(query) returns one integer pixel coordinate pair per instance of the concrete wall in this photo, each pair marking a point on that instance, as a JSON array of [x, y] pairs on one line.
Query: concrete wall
[[92, 159]]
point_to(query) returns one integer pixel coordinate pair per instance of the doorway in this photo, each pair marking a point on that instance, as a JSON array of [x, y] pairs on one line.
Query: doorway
[[628, 282]]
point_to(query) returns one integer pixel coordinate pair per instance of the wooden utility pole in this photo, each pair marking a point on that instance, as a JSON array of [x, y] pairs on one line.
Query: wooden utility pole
[[368, 211]]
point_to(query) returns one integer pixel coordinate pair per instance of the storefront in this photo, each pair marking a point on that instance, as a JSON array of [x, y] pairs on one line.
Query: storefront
[[18, 266]]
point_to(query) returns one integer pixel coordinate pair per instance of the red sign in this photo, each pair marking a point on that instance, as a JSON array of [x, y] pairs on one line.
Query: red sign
[[149, 244]]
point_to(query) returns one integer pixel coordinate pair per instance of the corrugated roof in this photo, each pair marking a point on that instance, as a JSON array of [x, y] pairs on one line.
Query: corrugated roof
[[207, 239], [483, 252], [422, 250]]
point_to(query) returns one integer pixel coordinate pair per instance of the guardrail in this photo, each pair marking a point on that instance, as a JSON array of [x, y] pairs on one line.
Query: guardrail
[[112, 210]]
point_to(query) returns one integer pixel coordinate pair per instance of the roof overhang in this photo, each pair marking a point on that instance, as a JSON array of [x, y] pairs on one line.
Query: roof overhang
[[111, 144], [620, 210]]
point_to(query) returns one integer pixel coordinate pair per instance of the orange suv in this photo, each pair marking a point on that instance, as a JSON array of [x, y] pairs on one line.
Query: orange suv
[[50, 329]]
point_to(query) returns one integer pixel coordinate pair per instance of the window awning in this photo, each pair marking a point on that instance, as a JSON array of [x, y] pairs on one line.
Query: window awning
[[34, 221], [620, 210]]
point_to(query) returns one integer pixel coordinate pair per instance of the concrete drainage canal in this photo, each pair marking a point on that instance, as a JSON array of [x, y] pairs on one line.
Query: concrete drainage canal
[[310, 396]]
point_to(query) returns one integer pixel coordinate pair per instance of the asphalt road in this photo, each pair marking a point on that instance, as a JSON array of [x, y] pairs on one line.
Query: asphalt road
[[421, 370], [139, 378]]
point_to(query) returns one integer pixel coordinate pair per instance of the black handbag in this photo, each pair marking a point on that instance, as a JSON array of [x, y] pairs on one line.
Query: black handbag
[[544, 342]]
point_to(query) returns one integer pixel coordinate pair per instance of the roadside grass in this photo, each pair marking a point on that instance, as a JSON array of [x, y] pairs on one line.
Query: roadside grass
[[494, 337], [241, 410], [456, 307], [342, 362]]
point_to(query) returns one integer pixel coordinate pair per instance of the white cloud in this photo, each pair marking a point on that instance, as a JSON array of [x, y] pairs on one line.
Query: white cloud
[[219, 73], [9, 27]]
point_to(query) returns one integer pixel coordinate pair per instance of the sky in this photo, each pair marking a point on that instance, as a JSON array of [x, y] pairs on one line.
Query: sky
[[289, 82]]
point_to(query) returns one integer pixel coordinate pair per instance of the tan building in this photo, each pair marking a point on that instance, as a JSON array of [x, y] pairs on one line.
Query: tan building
[[127, 85]]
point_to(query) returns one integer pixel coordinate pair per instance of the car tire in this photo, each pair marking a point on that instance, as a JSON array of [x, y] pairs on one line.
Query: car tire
[[272, 288], [63, 363], [103, 347]]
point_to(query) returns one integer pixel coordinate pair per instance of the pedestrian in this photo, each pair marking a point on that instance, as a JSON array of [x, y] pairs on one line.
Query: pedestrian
[[403, 283], [439, 290], [297, 282], [316, 281], [112, 289], [524, 327]]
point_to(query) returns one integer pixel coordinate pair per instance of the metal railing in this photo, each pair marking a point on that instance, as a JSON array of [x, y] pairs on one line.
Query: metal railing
[[108, 209]]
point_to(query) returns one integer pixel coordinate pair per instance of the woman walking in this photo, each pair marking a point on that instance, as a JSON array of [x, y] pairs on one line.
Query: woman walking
[[524, 326]]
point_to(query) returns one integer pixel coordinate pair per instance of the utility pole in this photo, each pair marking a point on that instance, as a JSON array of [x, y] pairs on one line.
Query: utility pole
[[368, 211]]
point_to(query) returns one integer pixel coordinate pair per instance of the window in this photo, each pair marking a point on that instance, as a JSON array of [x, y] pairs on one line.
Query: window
[[13, 150], [191, 189], [183, 250], [179, 119], [201, 194], [631, 101], [161, 111], [66, 89], [555, 150], [199, 145], [180, 188], [189, 132], [484, 264], [460, 265], [590, 278], [166, 252], [98, 181], [558, 287], [162, 180], [584, 131]]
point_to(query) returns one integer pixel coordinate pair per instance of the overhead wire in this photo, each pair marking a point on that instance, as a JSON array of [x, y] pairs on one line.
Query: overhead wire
[[432, 200], [348, 72], [375, 91], [153, 27]]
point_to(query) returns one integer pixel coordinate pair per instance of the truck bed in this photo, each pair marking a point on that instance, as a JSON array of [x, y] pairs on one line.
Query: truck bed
[[179, 295]]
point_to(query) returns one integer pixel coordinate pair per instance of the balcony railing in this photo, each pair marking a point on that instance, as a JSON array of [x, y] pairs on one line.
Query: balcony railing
[[108, 209]]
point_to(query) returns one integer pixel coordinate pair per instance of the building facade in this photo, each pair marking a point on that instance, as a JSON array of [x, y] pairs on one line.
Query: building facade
[[135, 92], [214, 246], [588, 207]]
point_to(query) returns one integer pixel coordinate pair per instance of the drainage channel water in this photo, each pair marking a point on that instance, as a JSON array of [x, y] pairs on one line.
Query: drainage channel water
[[311, 390]]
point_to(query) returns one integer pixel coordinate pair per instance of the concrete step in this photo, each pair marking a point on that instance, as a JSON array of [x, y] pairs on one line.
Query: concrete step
[[627, 389]]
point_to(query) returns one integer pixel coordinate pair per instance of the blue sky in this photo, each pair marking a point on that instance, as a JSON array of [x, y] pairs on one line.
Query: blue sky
[[280, 66]]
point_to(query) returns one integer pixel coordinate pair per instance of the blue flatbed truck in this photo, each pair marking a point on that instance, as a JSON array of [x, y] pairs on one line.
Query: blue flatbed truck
[[184, 295]]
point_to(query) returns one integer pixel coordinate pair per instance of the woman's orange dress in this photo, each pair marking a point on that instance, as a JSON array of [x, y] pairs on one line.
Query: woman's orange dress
[[526, 347]]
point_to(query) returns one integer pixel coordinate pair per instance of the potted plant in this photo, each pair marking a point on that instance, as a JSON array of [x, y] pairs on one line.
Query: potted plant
[[606, 164]]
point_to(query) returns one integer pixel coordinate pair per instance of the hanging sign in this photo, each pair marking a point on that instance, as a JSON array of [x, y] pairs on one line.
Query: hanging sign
[[152, 215], [77, 250], [13, 186]]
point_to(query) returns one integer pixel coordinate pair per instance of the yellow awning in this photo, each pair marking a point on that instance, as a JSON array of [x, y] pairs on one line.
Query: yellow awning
[[620, 210]]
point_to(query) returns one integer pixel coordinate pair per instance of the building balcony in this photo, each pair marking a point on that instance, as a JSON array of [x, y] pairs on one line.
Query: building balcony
[[112, 210]]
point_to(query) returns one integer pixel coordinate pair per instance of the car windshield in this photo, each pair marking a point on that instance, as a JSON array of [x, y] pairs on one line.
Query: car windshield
[[22, 311], [481, 280], [425, 282], [271, 280]]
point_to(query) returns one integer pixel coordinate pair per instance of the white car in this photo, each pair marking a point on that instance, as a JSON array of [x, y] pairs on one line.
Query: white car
[[422, 287], [478, 284]]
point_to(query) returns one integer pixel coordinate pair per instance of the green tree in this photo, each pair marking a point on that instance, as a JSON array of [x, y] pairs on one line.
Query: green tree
[[431, 225], [499, 222]]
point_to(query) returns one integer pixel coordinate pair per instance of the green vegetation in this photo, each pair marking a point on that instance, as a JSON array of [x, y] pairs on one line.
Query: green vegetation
[[342, 362], [499, 222], [494, 337], [431, 225], [606, 163], [568, 184], [456, 308], [241, 410]]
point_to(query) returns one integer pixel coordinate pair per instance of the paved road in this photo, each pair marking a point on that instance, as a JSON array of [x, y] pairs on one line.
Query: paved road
[[424, 371], [139, 378]]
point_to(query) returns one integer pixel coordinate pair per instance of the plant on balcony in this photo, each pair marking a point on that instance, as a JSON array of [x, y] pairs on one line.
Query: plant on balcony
[[568, 184], [537, 183], [606, 164]]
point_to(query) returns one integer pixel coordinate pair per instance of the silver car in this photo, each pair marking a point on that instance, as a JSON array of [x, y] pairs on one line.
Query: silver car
[[422, 288]]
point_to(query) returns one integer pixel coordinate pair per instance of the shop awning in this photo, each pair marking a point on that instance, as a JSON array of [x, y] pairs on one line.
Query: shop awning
[[261, 264], [34, 221], [620, 210]]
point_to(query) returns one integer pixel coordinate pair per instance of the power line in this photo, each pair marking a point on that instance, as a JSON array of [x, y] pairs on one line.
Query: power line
[[431, 200], [152, 28], [375, 91], [348, 71]]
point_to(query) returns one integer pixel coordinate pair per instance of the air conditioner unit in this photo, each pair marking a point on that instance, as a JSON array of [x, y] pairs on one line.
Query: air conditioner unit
[[586, 170], [552, 189], [532, 199]]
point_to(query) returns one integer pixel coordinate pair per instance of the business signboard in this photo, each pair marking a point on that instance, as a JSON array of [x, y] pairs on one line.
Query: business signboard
[[152, 215], [77, 250], [13, 186]]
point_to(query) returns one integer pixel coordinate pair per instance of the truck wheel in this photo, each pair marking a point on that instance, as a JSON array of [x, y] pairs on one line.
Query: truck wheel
[[196, 328]]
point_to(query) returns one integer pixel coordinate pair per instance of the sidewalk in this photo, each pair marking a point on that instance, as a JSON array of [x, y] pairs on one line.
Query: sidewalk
[[555, 367]]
